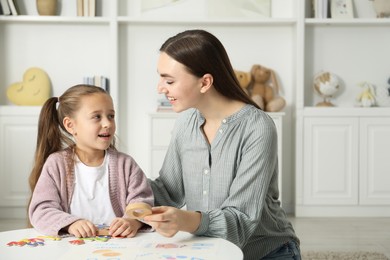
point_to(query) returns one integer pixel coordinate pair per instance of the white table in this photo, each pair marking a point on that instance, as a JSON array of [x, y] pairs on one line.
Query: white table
[[183, 246]]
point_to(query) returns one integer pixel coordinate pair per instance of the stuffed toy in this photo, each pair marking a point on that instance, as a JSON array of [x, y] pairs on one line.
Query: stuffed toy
[[34, 90], [382, 8], [367, 97], [244, 78], [264, 89]]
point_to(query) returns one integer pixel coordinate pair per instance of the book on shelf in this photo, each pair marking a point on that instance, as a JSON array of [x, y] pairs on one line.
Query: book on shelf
[[99, 81], [80, 9], [163, 105], [92, 8], [12, 7], [320, 9], [86, 8], [5, 7]]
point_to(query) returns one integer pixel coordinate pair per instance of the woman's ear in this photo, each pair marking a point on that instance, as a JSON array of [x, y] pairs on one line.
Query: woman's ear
[[207, 81], [69, 125]]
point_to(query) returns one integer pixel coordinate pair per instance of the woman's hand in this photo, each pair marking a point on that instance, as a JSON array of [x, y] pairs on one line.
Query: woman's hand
[[82, 228], [122, 227], [167, 221]]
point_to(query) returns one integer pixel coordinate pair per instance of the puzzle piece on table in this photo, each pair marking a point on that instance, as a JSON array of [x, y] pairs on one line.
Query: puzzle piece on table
[[102, 230], [97, 238], [77, 242], [81, 241], [54, 238], [33, 242], [16, 243]]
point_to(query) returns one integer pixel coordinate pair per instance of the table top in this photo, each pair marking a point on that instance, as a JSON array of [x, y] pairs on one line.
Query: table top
[[149, 246]]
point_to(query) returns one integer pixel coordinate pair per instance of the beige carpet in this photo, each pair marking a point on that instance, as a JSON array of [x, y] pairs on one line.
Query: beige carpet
[[333, 255]]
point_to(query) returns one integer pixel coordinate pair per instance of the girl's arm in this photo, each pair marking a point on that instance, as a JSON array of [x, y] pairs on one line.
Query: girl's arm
[[49, 207]]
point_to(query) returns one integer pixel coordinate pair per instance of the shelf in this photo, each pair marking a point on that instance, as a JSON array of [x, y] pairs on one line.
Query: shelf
[[346, 111], [19, 110], [209, 21], [141, 20], [351, 22], [351, 50], [53, 19]]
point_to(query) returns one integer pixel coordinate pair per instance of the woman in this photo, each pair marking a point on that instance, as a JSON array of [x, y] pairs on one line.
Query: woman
[[222, 160]]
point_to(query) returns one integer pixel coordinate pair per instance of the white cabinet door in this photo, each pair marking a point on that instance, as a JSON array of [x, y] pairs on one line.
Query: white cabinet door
[[330, 161], [278, 120], [161, 131], [17, 146], [374, 161]]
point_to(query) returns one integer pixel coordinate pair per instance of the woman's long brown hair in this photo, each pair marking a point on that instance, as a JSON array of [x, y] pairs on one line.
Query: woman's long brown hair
[[201, 52]]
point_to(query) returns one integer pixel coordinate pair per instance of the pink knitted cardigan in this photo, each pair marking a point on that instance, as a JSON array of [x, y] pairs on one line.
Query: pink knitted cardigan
[[50, 204]]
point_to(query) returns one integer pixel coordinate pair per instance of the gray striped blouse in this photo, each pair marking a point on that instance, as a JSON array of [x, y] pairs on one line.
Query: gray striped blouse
[[233, 181]]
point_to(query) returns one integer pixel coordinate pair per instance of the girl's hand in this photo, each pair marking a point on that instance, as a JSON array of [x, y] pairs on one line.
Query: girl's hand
[[122, 227], [82, 228], [167, 221]]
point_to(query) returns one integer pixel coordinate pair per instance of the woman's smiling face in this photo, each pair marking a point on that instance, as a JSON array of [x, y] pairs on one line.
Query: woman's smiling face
[[180, 87]]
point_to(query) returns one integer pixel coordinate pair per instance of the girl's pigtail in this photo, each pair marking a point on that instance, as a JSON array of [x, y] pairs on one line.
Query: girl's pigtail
[[49, 140]]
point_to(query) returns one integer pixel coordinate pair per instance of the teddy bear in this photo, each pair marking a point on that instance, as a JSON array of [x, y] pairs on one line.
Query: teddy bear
[[382, 8], [244, 78], [261, 85]]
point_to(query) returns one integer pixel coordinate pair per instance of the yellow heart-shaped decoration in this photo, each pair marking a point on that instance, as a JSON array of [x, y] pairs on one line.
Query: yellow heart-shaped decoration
[[33, 91]]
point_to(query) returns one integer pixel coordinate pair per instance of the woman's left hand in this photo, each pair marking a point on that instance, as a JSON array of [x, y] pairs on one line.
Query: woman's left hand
[[167, 221], [122, 227]]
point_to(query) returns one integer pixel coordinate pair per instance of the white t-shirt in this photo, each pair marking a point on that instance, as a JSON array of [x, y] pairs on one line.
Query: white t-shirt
[[91, 199]]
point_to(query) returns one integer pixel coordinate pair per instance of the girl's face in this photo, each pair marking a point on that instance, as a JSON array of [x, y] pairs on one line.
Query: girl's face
[[180, 87], [93, 125]]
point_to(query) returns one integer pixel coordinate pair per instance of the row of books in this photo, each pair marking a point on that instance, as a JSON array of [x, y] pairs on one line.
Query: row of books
[[163, 105], [8, 7], [86, 8], [97, 80]]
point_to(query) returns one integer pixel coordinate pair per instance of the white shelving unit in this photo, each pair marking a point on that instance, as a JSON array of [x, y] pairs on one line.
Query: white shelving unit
[[339, 161], [122, 44]]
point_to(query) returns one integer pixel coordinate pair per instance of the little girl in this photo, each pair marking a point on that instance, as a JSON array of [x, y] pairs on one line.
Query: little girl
[[79, 179]]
